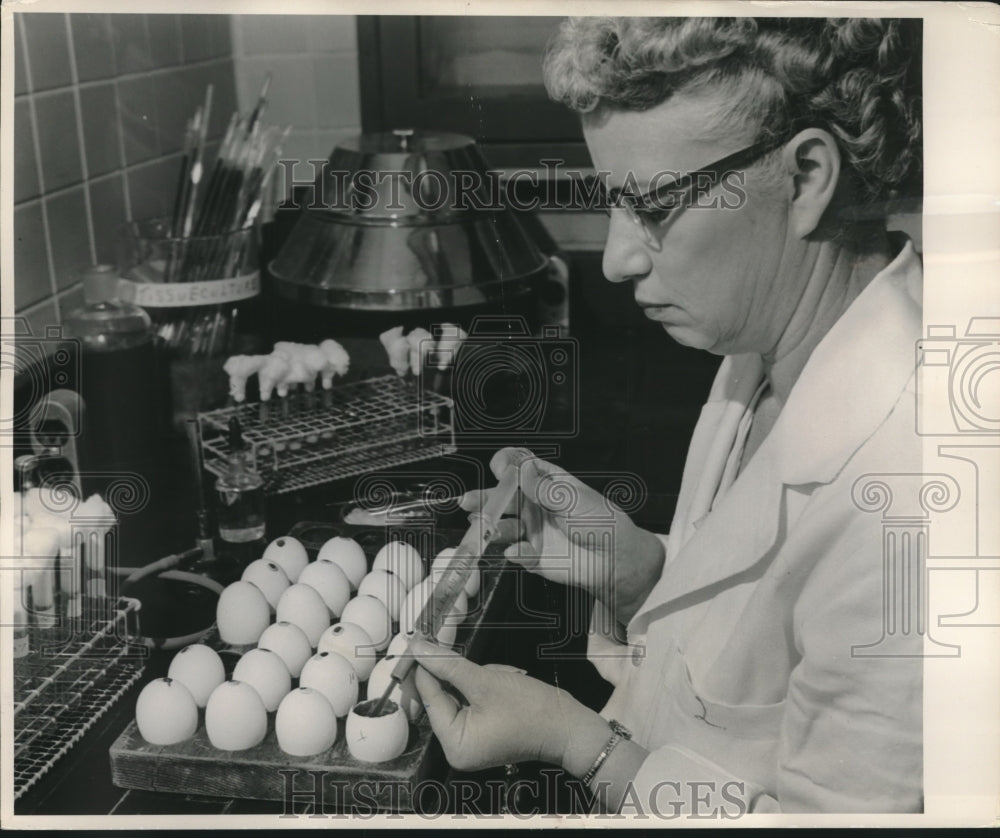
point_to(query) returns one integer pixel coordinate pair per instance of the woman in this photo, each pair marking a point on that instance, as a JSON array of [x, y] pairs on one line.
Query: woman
[[744, 647]]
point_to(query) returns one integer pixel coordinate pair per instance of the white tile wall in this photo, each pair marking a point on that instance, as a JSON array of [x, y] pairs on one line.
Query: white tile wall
[[313, 62]]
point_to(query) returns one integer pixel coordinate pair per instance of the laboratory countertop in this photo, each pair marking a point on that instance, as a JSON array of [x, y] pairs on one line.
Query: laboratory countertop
[[81, 783]]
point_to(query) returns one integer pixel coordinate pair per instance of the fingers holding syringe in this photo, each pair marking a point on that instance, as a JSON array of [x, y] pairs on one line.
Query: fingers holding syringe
[[474, 500]]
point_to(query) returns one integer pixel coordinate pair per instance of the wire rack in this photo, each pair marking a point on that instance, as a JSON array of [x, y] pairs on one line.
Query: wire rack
[[303, 441], [68, 681]]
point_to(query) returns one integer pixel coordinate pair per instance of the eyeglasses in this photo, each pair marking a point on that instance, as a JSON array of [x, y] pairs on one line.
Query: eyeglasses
[[651, 211]]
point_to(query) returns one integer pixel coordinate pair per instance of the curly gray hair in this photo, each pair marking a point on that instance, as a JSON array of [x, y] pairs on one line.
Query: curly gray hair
[[857, 78]]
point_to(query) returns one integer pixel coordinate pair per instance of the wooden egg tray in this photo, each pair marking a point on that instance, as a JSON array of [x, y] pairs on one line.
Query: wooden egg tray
[[265, 772]]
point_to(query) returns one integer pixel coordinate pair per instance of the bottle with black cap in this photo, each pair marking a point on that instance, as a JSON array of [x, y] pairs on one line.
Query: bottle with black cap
[[125, 432]]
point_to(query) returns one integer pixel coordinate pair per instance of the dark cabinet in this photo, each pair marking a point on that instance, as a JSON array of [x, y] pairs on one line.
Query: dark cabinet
[[474, 75]]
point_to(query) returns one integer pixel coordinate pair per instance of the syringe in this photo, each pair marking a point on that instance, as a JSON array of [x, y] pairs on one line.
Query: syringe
[[481, 532]]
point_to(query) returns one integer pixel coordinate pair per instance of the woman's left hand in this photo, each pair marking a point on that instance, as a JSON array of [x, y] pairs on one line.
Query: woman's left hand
[[510, 717]]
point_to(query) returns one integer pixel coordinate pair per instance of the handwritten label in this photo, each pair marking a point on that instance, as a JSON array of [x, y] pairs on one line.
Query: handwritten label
[[178, 294]]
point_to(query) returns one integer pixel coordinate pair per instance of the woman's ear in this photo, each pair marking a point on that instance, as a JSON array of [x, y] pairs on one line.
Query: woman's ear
[[812, 158]]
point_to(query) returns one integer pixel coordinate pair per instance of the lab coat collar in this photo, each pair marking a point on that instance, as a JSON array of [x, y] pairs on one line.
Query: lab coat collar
[[853, 378], [848, 387]]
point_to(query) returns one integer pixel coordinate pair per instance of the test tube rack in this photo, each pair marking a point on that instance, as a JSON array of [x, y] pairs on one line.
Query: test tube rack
[[376, 423], [71, 677]]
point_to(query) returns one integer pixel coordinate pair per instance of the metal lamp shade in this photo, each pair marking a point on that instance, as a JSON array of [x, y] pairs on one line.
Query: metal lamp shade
[[391, 229]]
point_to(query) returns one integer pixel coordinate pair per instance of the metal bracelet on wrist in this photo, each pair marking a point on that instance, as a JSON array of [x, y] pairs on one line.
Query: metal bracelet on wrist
[[618, 733]]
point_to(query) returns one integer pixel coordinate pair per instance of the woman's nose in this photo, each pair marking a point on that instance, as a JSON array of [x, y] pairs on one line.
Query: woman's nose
[[625, 254]]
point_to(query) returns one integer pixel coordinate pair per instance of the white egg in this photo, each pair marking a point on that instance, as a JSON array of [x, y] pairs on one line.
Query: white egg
[[242, 613], [269, 577], [369, 613], [289, 643], [289, 554], [399, 644], [441, 562], [332, 675], [330, 582], [405, 694], [386, 587], [354, 643], [305, 724], [414, 605], [459, 609], [266, 672], [199, 668], [402, 559], [347, 554], [165, 712], [376, 739], [235, 718], [303, 606]]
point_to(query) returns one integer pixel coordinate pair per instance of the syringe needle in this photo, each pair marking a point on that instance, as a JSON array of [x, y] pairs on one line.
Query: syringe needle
[[393, 683], [438, 605]]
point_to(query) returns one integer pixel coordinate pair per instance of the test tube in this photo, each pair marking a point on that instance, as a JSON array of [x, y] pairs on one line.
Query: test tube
[[41, 550]]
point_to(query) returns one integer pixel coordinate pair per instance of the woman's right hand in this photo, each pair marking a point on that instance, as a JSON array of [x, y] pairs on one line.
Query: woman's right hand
[[565, 531]]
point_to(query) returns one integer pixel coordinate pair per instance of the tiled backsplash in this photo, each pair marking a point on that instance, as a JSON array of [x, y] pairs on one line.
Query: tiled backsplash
[[313, 62], [101, 103]]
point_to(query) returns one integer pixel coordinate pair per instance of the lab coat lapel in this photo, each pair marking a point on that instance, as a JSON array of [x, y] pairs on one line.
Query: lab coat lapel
[[846, 390], [739, 532], [714, 436]]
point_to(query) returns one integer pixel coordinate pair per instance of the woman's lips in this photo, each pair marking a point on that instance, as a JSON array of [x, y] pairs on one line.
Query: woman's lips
[[657, 312]]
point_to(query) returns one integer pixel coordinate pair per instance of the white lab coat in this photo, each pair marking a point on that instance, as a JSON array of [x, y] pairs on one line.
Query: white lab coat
[[739, 667]]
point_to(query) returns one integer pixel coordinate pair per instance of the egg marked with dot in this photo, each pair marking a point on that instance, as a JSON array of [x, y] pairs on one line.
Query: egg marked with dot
[[305, 724], [330, 582], [372, 615], [268, 577], [354, 643], [347, 554], [199, 668], [402, 559], [332, 675], [166, 712], [289, 554], [289, 643]]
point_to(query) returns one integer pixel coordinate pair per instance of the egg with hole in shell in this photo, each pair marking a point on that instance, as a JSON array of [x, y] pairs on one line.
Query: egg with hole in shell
[[347, 554], [379, 738], [332, 675], [302, 605], [386, 587], [266, 672], [330, 582], [235, 718], [306, 724], [414, 605], [242, 613], [289, 643], [165, 712], [199, 668], [269, 578], [441, 561], [402, 559], [405, 694], [372, 615], [289, 554], [353, 643], [399, 644]]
